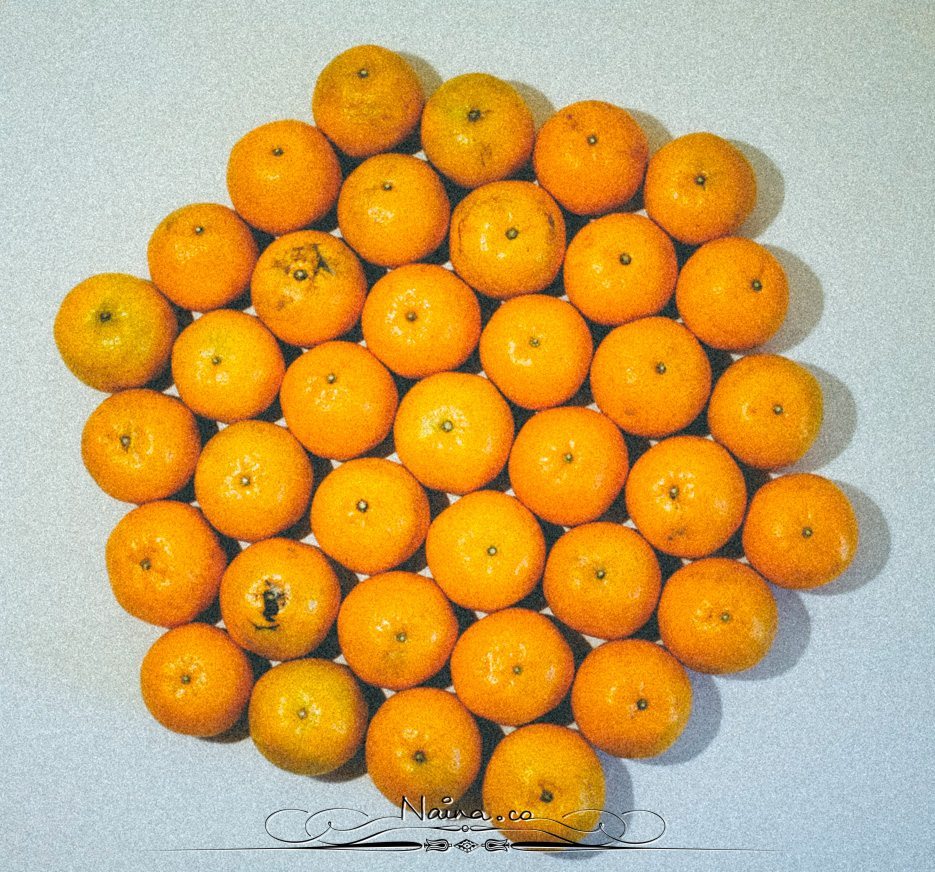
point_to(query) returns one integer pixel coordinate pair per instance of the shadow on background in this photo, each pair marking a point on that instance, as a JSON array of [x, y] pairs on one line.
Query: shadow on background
[[770, 190], [541, 107], [702, 726], [806, 303], [838, 426]]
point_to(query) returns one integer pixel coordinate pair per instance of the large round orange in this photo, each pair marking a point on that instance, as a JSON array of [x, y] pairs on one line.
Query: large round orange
[[396, 629], [476, 129], [253, 480], [338, 400], [686, 495], [537, 350], [283, 176], [393, 209], [591, 156], [512, 666], [421, 319], [370, 514], [140, 445], [486, 551], [453, 431], [507, 238], [800, 531], [631, 698], [201, 256], [717, 615], [602, 579], [651, 377], [568, 464]]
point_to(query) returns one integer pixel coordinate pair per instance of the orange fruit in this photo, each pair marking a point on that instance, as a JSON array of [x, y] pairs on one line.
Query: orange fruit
[[393, 209], [766, 410], [800, 531], [227, 366], [453, 431], [115, 331], [420, 319], [537, 350], [140, 445], [423, 744], [686, 495], [544, 783], [512, 666], [699, 187], [507, 238], [370, 514], [307, 716], [308, 287], [591, 156], [476, 129], [279, 598], [367, 100], [717, 615], [283, 176], [602, 579], [338, 400], [486, 551], [651, 377], [732, 293], [253, 480], [631, 698], [396, 629], [201, 256], [195, 680], [568, 464]]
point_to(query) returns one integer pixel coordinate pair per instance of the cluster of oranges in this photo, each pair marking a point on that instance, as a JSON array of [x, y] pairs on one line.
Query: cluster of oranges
[[530, 392]]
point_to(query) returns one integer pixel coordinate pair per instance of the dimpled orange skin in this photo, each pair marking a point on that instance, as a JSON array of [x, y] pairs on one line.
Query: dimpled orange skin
[[536, 350], [140, 445], [201, 256], [766, 410], [453, 431], [393, 209], [551, 772], [115, 331], [602, 579], [253, 480], [591, 156], [279, 598], [370, 514], [338, 400], [732, 294], [366, 100], [507, 238], [423, 742], [420, 319], [227, 366], [477, 129], [717, 615], [651, 377], [699, 187], [568, 464], [486, 551], [308, 287], [620, 267], [396, 629], [801, 531], [686, 495], [631, 698], [195, 680], [512, 666], [283, 176]]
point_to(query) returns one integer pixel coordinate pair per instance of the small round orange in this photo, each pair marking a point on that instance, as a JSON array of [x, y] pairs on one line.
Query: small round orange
[[115, 331], [537, 350], [801, 531], [396, 629], [338, 400], [591, 156]]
